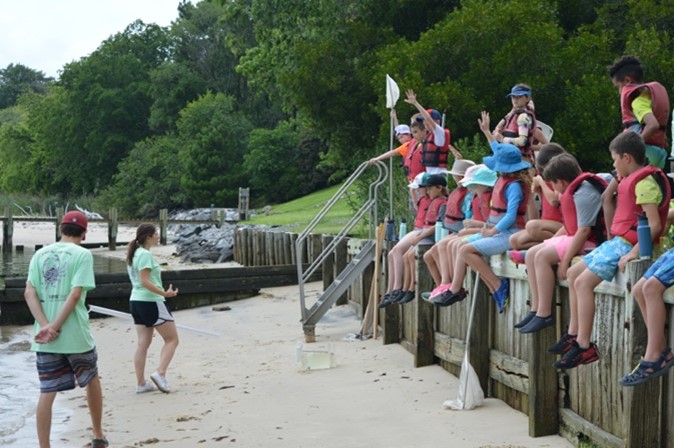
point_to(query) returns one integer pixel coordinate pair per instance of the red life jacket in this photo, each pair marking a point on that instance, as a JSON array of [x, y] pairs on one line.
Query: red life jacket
[[549, 211], [659, 104], [625, 219], [422, 207], [568, 207], [511, 130], [480, 204], [498, 200], [453, 212], [433, 211], [412, 163], [431, 154]]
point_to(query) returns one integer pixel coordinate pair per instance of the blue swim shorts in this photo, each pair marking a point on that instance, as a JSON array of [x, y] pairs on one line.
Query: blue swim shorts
[[494, 245], [663, 269], [603, 261]]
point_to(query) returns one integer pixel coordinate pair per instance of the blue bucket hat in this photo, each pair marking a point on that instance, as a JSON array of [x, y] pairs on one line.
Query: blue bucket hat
[[519, 91], [479, 175], [507, 158]]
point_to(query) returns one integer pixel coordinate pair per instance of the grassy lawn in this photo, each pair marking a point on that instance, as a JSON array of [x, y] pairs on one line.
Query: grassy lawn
[[296, 215]]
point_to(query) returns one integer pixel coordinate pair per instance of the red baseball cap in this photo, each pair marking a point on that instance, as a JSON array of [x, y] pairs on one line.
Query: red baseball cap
[[75, 218]]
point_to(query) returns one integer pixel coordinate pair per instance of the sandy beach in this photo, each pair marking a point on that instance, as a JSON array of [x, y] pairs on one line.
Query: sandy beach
[[244, 388]]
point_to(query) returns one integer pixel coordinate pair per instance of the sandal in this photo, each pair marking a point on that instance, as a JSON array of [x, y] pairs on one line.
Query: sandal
[[647, 370], [98, 443]]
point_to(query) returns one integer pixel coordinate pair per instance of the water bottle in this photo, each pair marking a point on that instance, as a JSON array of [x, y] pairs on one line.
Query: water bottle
[[403, 230], [390, 230], [644, 236], [438, 230]]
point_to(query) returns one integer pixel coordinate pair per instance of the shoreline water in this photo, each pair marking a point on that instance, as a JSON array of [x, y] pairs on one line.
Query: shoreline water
[[19, 391], [19, 385]]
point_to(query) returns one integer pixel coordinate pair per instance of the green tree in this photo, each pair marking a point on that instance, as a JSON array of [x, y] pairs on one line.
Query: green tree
[[173, 86], [17, 79], [314, 57], [208, 39], [148, 179], [271, 163], [285, 163], [213, 138], [16, 170], [107, 102]]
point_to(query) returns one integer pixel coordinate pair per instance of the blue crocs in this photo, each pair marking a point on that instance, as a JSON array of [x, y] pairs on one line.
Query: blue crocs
[[502, 295]]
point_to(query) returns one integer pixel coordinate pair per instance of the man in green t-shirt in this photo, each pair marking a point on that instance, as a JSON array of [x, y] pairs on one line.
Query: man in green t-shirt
[[59, 277]]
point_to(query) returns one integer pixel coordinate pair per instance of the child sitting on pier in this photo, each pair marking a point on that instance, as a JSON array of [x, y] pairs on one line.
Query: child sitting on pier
[[457, 209], [538, 230], [648, 292], [400, 280], [643, 188], [580, 203], [479, 180], [509, 205]]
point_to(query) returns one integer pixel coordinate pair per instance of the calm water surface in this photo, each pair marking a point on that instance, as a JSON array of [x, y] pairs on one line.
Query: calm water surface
[[19, 385]]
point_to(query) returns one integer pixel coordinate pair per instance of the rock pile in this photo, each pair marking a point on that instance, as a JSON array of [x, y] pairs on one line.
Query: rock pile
[[204, 243]]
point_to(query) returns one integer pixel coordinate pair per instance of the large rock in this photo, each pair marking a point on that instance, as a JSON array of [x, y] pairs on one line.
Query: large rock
[[204, 243]]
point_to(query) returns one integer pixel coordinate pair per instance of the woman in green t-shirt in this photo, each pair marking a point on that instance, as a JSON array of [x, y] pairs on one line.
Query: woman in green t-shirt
[[148, 308]]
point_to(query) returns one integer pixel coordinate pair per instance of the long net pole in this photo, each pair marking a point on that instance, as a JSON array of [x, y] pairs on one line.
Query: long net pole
[[390, 172]]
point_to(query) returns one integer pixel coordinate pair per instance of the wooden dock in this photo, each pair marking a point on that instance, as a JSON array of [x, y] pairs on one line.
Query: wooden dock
[[113, 221]]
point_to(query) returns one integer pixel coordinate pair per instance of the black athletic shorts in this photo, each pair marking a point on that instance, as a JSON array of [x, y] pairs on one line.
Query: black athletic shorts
[[149, 314]]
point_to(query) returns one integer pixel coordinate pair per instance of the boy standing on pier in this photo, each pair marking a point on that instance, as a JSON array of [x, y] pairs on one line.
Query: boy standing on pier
[[59, 277], [643, 189]]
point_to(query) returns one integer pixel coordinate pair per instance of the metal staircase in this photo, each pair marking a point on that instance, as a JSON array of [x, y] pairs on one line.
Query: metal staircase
[[310, 316]]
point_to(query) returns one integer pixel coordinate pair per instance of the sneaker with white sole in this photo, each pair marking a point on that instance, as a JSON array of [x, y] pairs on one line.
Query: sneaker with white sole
[[147, 387], [160, 382]]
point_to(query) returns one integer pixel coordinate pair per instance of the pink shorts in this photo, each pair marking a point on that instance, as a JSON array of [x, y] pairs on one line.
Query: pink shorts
[[562, 243]]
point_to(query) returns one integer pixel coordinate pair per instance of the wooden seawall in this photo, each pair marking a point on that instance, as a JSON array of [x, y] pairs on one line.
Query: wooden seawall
[[585, 404], [198, 287]]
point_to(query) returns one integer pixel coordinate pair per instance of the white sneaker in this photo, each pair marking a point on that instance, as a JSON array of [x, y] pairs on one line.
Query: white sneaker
[[160, 382], [147, 387]]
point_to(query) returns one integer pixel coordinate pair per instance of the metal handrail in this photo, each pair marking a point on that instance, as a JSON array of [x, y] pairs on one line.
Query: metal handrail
[[369, 205]]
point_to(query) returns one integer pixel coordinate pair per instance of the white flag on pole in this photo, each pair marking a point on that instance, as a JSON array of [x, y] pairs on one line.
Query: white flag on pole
[[392, 92]]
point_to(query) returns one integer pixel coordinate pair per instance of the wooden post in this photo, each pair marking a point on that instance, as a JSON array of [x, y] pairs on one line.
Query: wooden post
[[59, 218], [8, 230], [366, 284], [163, 226], [543, 396], [293, 253], [316, 246], [244, 194], [425, 340], [340, 264], [643, 403], [379, 235], [480, 337], [269, 256], [392, 312], [112, 229], [328, 267]]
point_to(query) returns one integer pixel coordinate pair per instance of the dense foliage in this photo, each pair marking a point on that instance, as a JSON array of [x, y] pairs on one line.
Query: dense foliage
[[288, 96]]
